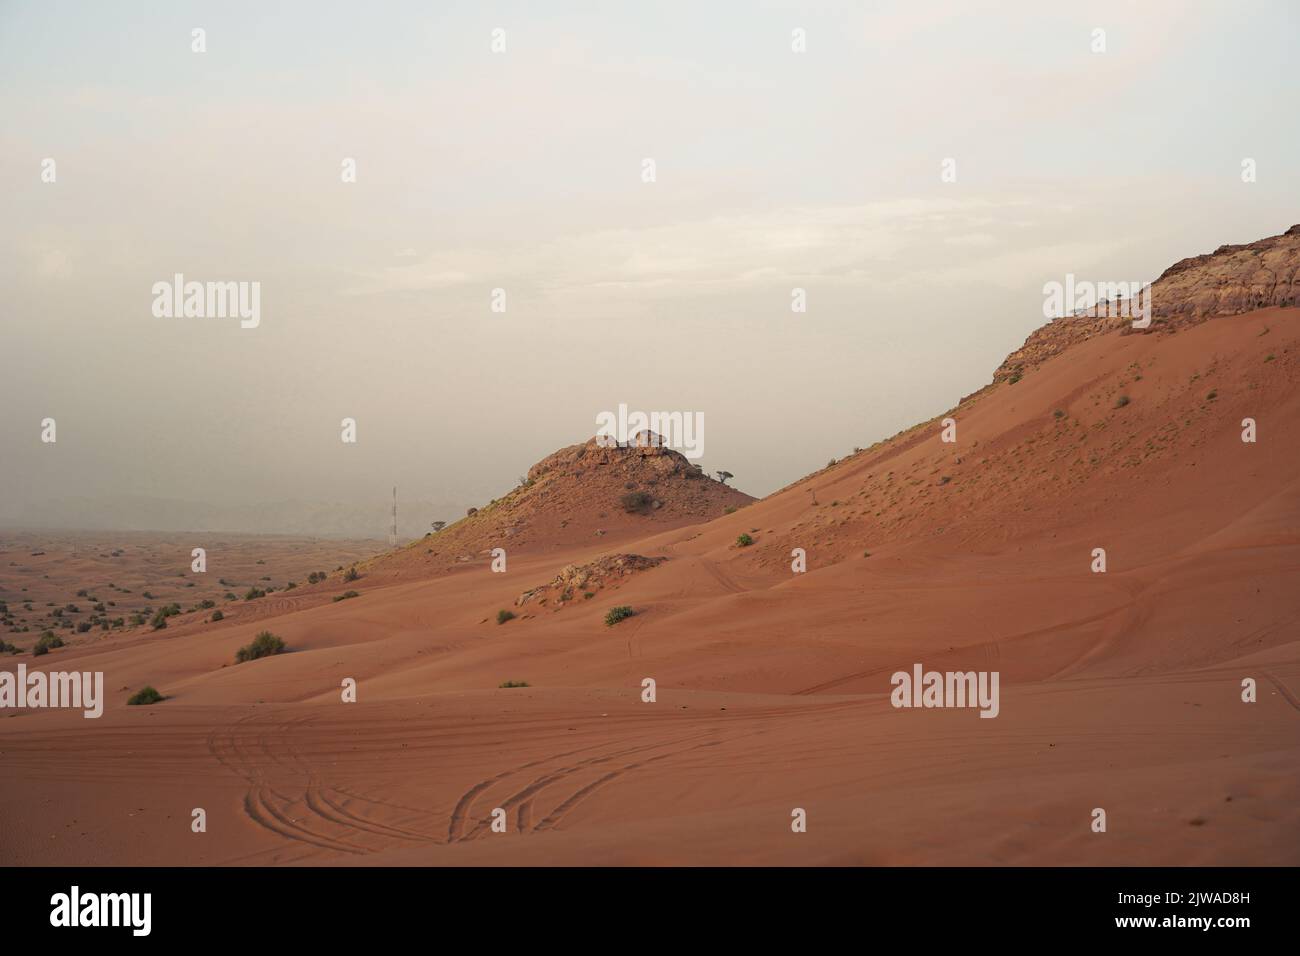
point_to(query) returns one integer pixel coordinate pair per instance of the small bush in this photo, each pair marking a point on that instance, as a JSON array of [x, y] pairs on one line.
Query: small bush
[[635, 501], [83, 627], [1121, 401], [1058, 414], [503, 615], [145, 695], [351, 575], [48, 641], [744, 541], [218, 616], [254, 593], [1015, 377], [345, 595], [1211, 396], [264, 645], [617, 614], [513, 683]]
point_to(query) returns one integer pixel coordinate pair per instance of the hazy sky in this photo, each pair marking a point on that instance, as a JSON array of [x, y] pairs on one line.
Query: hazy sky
[[522, 170]]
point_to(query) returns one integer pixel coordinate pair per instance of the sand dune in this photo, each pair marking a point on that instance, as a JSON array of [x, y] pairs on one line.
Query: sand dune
[[1119, 690]]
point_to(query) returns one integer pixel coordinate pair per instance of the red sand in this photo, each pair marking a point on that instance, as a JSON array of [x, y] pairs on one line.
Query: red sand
[[1119, 690]]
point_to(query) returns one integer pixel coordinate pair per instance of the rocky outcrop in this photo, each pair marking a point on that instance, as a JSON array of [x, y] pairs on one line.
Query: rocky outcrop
[[1229, 281], [585, 579]]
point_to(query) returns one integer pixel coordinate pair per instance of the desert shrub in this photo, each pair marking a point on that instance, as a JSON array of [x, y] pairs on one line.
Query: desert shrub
[[345, 595], [254, 593], [729, 510], [1058, 414], [207, 603], [744, 541], [218, 616], [1015, 377], [513, 683], [1121, 401], [1211, 396], [264, 645], [351, 575], [145, 695], [635, 501], [503, 615], [617, 614], [83, 627], [47, 642]]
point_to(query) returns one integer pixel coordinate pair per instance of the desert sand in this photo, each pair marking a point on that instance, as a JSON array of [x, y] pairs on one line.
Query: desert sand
[[1120, 690]]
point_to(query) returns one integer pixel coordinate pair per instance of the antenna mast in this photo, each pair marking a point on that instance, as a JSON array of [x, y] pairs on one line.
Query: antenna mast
[[392, 535]]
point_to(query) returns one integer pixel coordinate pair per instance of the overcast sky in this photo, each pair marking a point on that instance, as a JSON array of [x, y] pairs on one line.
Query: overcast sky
[[523, 170]]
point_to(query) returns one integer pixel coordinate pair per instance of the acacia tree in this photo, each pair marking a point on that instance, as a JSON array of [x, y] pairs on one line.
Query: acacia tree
[[439, 525], [724, 475]]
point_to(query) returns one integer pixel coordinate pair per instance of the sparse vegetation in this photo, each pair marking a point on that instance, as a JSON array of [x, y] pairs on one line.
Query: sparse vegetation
[[46, 643], [635, 501], [617, 614], [1211, 396], [144, 696], [744, 541], [218, 616], [513, 683], [345, 595], [254, 593], [503, 615], [265, 644], [1121, 401], [351, 575]]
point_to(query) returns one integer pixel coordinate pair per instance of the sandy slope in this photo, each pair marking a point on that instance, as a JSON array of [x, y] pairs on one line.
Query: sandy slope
[[1119, 690]]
